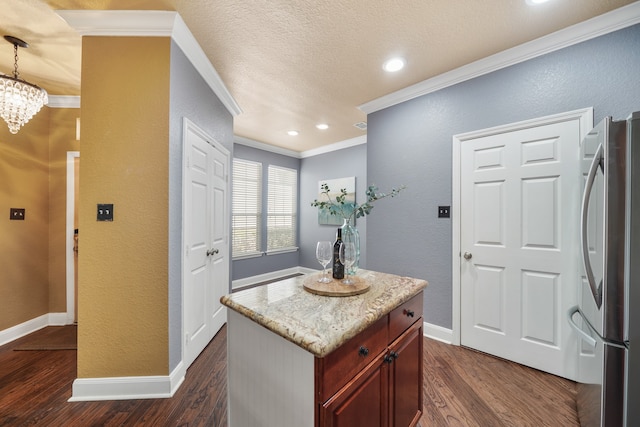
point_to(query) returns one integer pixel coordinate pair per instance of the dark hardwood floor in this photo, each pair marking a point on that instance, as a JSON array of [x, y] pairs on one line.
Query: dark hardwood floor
[[35, 387], [461, 388]]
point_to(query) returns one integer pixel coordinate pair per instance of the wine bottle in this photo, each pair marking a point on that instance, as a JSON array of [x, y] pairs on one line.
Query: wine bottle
[[338, 267]]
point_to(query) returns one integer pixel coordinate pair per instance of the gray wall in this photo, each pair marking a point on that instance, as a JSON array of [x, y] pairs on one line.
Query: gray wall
[[336, 164], [410, 143], [242, 268], [190, 97]]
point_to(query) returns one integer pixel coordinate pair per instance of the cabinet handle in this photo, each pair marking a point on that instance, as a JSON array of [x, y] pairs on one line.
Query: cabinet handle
[[389, 358], [409, 313], [363, 351]]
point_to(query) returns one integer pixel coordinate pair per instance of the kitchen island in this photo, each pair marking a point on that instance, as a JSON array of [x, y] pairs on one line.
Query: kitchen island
[[296, 358]]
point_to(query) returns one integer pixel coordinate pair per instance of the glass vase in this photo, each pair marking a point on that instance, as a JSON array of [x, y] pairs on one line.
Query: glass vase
[[350, 234]]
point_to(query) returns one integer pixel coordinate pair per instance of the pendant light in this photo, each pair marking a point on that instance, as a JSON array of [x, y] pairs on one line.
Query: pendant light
[[19, 99]]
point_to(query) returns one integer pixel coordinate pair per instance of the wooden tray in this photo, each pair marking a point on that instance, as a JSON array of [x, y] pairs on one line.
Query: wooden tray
[[335, 288]]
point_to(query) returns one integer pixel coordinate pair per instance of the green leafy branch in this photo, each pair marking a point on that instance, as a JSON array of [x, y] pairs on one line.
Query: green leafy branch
[[339, 207]]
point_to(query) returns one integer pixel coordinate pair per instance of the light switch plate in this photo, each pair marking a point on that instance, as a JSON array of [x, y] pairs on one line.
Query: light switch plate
[[16, 213], [105, 212]]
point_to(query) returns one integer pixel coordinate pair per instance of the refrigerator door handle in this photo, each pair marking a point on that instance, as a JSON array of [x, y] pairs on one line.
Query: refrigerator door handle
[[585, 336], [596, 290]]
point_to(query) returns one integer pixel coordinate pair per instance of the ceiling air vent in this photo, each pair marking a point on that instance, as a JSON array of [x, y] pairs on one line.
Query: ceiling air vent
[[361, 125]]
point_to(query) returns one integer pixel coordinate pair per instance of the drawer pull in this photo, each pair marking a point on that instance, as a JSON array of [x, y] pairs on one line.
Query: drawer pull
[[363, 351], [409, 313], [389, 358]]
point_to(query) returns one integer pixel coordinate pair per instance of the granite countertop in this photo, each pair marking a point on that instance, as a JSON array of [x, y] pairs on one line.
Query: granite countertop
[[320, 324]]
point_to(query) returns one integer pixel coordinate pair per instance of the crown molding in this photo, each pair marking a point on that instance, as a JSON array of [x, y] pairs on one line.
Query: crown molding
[[264, 146], [142, 23], [618, 19], [304, 154], [189, 45], [335, 146], [63, 101], [151, 23]]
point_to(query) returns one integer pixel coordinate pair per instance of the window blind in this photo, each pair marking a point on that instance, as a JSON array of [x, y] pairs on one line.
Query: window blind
[[281, 208], [246, 208]]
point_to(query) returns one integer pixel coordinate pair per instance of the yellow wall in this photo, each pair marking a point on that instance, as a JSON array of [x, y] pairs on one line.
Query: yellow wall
[[123, 265], [62, 138], [24, 163], [32, 252]]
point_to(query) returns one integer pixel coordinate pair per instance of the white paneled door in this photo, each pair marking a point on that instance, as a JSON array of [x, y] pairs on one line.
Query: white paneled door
[[205, 231], [219, 257], [519, 202]]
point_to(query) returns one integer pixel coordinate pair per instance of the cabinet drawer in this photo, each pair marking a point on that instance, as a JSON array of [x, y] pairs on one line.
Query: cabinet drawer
[[404, 316], [338, 367]]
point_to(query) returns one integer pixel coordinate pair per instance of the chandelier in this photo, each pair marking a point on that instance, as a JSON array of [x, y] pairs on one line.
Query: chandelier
[[19, 100]]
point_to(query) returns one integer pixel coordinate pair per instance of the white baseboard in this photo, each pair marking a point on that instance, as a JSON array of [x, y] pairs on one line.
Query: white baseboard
[[248, 281], [437, 333], [25, 328], [124, 388], [59, 319]]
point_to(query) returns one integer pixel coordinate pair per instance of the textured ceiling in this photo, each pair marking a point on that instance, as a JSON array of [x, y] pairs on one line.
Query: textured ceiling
[[293, 64]]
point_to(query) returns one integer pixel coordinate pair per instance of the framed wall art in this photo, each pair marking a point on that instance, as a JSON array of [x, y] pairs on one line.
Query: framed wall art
[[335, 185]]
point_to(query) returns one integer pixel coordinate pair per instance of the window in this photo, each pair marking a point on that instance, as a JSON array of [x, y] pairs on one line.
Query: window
[[256, 222], [282, 208], [246, 208]]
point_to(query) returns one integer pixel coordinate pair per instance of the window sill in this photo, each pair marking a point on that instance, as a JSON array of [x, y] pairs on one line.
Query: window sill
[[282, 251], [248, 256], [260, 254]]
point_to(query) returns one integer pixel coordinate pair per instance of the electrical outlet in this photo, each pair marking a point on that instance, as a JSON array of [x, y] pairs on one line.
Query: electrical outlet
[[105, 212], [443, 211], [16, 213]]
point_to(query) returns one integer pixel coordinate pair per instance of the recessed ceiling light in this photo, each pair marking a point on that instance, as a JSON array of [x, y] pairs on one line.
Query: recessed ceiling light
[[293, 132], [393, 65], [534, 2], [322, 126]]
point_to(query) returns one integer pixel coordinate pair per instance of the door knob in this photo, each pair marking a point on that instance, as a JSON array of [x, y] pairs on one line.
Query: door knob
[[212, 252], [467, 256]]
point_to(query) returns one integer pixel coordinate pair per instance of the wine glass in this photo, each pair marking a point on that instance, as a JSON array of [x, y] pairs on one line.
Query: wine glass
[[347, 258], [324, 253]]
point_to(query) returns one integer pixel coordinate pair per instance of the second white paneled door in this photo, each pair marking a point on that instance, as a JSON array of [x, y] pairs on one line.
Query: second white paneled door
[[205, 239], [519, 201]]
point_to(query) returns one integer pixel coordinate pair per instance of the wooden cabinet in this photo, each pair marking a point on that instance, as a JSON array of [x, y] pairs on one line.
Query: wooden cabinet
[[288, 363], [375, 379], [363, 401], [406, 378]]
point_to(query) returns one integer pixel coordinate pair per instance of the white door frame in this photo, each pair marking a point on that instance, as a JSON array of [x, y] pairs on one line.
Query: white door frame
[[583, 116], [71, 201]]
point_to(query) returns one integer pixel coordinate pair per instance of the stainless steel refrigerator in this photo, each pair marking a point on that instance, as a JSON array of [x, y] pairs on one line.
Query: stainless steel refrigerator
[[607, 318]]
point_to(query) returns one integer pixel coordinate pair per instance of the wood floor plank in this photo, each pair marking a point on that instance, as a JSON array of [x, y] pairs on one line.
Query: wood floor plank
[[464, 405], [516, 395], [461, 388]]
